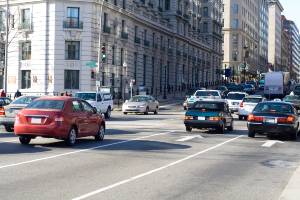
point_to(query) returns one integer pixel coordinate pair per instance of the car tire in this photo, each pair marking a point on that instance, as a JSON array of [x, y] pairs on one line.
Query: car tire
[[230, 128], [294, 135], [221, 129], [147, 111], [125, 113], [188, 129], [251, 134], [156, 111], [108, 113], [9, 128], [240, 117], [71, 140], [100, 134], [24, 139]]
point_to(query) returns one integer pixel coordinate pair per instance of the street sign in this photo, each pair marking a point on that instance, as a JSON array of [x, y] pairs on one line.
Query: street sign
[[91, 64]]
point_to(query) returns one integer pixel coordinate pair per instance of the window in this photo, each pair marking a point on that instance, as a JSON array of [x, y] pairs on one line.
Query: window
[[124, 4], [235, 23], [25, 79], [76, 106], [87, 107], [72, 50], [47, 104], [144, 71], [135, 67], [26, 50], [135, 32], [235, 8], [113, 55], [25, 16], [104, 20], [167, 4], [205, 27], [72, 79], [115, 2], [73, 17], [205, 11], [123, 26], [121, 57]]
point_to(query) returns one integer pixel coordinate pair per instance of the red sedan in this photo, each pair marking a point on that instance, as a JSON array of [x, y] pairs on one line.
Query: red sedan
[[64, 118]]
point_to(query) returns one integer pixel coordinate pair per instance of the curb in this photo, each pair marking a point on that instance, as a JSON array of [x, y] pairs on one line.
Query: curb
[[291, 191]]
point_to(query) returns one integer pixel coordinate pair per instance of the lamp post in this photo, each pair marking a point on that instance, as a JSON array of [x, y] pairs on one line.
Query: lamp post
[[246, 55]]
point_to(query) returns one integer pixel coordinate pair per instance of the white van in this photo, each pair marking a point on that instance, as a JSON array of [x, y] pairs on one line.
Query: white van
[[102, 101]]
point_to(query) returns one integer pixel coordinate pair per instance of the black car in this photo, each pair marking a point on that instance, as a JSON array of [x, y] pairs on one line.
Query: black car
[[233, 87], [274, 118], [209, 114]]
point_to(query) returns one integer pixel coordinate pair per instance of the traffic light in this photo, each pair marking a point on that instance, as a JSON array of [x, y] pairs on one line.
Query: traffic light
[[103, 51]]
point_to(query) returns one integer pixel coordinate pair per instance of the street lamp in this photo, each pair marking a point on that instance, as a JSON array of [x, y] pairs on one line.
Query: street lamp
[[246, 55]]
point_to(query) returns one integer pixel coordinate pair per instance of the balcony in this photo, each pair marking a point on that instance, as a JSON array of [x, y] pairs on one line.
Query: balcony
[[124, 35], [137, 40], [26, 26], [73, 24], [106, 29], [146, 43]]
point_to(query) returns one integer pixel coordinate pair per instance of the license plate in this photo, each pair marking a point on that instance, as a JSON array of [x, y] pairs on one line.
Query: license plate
[[201, 118], [36, 120], [270, 121]]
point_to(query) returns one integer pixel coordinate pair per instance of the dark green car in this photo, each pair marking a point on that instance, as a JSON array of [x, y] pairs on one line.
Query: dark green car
[[209, 115]]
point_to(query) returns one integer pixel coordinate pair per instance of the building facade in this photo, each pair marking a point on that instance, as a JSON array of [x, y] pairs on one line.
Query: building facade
[[164, 47], [263, 36], [275, 10], [241, 35], [285, 48], [293, 32]]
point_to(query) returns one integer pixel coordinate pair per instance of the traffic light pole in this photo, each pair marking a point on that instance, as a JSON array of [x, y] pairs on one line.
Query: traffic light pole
[[99, 50]]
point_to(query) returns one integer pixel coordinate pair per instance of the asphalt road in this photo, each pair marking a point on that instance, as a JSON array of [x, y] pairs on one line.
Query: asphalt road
[[148, 157]]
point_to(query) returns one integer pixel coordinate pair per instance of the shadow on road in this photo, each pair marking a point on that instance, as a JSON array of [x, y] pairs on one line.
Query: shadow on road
[[7, 135], [16, 148]]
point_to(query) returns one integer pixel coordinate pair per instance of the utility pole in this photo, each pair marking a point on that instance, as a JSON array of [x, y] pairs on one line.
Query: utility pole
[[6, 48], [99, 50]]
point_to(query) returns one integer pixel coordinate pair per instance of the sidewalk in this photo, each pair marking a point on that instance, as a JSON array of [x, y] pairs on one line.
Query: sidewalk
[[292, 190]]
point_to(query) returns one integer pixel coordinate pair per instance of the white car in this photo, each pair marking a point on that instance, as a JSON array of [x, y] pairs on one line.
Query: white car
[[141, 104], [234, 99], [102, 101], [248, 104], [204, 95]]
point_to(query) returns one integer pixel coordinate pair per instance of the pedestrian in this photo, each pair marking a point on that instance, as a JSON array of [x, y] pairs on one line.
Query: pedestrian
[[17, 94], [3, 94]]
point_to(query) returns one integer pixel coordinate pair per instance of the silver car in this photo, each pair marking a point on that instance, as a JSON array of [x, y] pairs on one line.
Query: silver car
[[141, 104], [11, 110]]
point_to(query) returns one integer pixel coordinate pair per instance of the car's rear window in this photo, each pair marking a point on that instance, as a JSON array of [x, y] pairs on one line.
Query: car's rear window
[[24, 100], [297, 88], [273, 108], [207, 93], [208, 106], [47, 104], [252, 100], [291, 98], [86, 96], [235, 96]]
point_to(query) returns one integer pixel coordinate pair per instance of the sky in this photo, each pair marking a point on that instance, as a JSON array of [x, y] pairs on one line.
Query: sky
[[292, 10]]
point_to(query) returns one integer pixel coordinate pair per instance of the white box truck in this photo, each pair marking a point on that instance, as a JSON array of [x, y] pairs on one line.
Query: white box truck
[[276, 84]]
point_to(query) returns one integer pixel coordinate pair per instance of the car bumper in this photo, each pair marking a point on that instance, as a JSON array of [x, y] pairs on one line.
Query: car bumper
[[203, 124], [274, 129], [52, 130], [234, 108], [7, 121], [242, 112], [134, 110]]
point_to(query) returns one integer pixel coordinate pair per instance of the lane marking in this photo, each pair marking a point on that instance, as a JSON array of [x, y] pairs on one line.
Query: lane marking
[[8, 141], [109, 187], [83, 150], [270, 143], [187, 138]]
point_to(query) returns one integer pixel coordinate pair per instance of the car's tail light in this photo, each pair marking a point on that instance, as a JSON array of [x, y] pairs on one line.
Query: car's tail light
[[286, 120], [2, 112], [214, 118], [241, 104], [59, 120], [188, 118], [252, 118]]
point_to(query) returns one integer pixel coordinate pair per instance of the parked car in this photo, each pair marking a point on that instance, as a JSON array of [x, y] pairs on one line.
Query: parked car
[[250, 89], [7, 117], [294, 99], [296, 89], [223, 89], [261, 84], [234, 100], [102, 101], [204, 94], [274, 118], [141, 104], [209, 114], [248, 104], [254, 83], [234, 87], [188, 94], [64, 118]]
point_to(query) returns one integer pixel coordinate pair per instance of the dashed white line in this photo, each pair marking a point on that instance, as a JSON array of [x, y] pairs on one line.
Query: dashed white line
[[82, 150], [152, 171], [8, 141], [187, 138], [270, 143]]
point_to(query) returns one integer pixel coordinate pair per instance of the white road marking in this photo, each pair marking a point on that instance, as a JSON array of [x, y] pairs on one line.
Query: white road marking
[[8, 141], [187, 138], [153, 171], [83, 150], [270, 143]]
